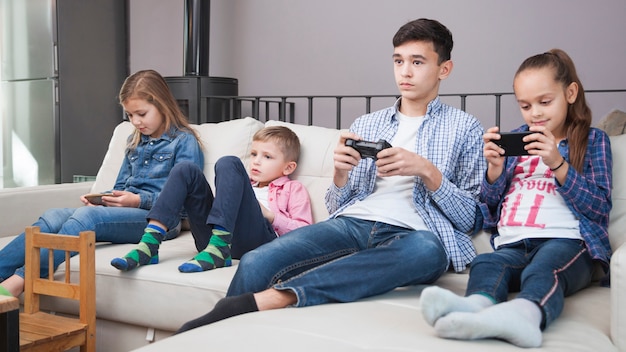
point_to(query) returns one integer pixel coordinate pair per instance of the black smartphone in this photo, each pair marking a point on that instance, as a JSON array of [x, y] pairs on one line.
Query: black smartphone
[[512, 143]]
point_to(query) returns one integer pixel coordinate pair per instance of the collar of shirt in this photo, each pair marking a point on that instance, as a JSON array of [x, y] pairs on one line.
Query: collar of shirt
[[277, 182], [433, 108], [166, 136]]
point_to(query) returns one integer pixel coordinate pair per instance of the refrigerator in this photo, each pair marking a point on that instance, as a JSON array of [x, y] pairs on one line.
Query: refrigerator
[[62, 63]]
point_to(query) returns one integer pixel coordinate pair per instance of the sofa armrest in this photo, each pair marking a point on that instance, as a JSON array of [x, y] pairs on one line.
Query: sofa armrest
[[22, 206], [618, 298]]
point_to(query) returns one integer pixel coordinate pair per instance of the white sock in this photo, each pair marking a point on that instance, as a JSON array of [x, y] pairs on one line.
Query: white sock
[[517, 322], [436, 302]]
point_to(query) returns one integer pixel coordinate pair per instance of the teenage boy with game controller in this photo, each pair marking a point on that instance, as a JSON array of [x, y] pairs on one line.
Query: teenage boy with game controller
[[400, 218]]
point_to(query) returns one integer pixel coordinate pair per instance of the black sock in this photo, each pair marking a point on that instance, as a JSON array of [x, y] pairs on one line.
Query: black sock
[[225, 308]]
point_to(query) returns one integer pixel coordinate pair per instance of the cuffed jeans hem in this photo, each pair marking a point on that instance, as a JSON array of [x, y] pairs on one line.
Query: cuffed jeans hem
[[292, 289]]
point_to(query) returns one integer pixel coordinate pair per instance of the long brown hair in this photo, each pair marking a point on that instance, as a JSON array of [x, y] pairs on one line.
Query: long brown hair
[[578, 120], [150, 86]]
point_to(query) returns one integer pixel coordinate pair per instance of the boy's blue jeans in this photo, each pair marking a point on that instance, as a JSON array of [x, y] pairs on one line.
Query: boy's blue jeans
[[544, 271], [341, 260], [111, 224], [234, 206]]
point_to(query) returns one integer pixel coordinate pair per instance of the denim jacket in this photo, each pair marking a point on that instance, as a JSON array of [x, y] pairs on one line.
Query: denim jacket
[[146, 168]]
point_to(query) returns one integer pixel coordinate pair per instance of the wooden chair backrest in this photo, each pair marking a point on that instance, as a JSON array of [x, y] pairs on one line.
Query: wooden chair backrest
[[84, 291]]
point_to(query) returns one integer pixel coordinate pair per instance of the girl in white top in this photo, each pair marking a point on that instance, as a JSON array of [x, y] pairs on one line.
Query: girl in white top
[[548, 211]]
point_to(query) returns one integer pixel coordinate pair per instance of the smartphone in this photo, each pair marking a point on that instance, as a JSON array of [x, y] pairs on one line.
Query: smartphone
[[96, 198], [512, 143]]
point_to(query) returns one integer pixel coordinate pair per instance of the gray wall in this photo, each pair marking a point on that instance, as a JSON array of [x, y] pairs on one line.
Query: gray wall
[[326, 47]]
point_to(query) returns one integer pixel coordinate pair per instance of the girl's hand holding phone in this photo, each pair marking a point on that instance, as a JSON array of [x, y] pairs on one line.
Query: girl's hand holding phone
[[112, 199]]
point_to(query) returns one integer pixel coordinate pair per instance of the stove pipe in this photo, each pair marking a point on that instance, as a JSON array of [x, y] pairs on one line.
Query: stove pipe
[[196, 40]]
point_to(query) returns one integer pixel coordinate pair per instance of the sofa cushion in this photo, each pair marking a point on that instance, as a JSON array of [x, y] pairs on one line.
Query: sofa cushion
[[315, 166], [226, 138], [107, 174], [219, 139], [388, 322], [614, 123]]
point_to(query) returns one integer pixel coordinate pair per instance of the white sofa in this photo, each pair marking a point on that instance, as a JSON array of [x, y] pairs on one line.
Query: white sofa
[[141, 309]]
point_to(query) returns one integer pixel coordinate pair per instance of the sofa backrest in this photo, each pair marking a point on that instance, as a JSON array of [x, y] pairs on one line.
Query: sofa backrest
[[218, 139], [315, 167]]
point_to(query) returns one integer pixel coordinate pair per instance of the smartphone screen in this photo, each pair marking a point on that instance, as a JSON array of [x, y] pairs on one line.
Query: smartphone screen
[[512, 143]]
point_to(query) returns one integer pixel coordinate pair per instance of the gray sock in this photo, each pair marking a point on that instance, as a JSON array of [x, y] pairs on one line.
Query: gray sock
[[437, 302], [517, 321]]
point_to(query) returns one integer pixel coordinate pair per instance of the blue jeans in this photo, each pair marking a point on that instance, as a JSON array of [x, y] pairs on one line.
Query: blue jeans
[[543, 271], [341, 260], [111, 224], [234, 206]]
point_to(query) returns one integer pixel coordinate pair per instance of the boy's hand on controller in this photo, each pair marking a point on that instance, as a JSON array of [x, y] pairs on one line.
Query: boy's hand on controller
[[396, 161], [346, 157]]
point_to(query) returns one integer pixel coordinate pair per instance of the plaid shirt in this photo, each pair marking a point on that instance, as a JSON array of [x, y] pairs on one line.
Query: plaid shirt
[[452, 140], [587, 195]]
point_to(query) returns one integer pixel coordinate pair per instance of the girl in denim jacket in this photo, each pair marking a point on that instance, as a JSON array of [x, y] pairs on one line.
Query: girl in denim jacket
[[162, 139]]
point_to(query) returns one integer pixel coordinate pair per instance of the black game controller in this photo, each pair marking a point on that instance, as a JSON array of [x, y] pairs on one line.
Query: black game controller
[[368, 149]]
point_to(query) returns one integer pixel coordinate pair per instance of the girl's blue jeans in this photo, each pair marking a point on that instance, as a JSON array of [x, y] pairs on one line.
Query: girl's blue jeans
[[111, 224], [543, 271], [341, 260]]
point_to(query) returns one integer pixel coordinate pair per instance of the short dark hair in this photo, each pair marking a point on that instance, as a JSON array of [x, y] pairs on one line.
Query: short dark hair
[[426, 30]]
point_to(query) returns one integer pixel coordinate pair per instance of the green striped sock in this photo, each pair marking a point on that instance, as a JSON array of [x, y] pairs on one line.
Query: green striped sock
[[5, 292], [215, 255]]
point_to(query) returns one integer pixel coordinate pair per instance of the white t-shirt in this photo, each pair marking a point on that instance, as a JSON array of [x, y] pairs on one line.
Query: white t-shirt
[[262, 194], [533, 208], [392, 199]]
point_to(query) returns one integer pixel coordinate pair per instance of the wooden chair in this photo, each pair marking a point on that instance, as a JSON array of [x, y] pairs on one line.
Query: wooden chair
[[42, 331]]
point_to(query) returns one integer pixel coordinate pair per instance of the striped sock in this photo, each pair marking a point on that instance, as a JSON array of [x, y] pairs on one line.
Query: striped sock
[[5, 292], [215, 255], [147, 251]]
